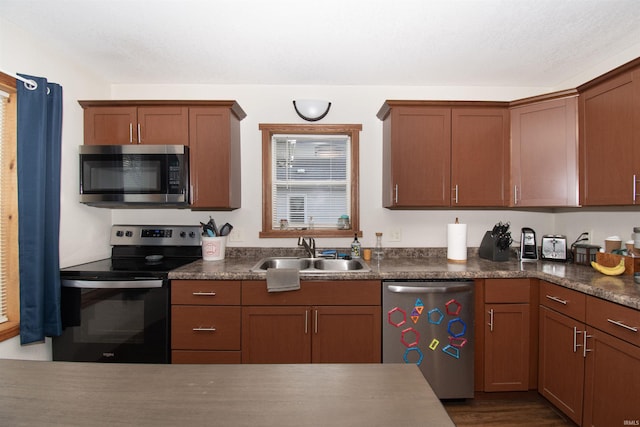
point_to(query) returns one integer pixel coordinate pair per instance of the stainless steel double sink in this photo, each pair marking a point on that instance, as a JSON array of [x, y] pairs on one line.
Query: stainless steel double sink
[[312, 265]]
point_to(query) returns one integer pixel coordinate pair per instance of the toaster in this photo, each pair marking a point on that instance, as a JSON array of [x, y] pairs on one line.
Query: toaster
[[553, 247]]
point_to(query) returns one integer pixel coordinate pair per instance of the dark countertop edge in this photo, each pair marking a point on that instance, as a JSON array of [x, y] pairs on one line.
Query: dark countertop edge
[[439, 269]]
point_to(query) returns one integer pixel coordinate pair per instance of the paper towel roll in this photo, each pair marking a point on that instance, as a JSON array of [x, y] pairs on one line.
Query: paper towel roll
[[457, 242]]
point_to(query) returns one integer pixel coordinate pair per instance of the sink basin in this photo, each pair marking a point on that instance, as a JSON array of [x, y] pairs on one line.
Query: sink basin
[[340, 265], [299, 263], [312, 265]]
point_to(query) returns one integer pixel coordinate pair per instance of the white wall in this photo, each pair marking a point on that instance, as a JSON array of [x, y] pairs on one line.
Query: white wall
[[84, 230]]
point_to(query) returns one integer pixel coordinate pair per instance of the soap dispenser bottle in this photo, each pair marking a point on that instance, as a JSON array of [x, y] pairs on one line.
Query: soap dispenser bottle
[[355, 247]]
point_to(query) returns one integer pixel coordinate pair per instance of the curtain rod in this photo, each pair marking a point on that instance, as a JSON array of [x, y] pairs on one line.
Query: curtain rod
[[28, 83]]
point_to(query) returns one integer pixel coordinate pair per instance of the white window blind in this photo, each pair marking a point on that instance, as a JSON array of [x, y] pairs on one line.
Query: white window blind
[[311, 180], [4, 97]]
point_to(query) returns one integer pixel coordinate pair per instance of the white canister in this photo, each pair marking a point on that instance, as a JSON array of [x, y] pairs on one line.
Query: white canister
[[213, 248]]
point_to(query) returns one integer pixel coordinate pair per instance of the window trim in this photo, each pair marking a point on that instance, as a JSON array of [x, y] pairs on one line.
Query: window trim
[[268, 131], [11, 328]]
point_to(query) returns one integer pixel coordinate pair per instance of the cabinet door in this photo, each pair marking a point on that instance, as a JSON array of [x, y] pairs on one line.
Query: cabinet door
[[276, 334], [612, 381], [163, 125], [561, 362], [479, 156], [110, 125], [544, 153], [346, 334], [417, 156], [608, 161], [214, 141], [506, 347]]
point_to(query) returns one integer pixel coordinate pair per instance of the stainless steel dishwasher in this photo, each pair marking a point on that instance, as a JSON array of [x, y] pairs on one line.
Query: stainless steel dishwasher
[[430, 323]]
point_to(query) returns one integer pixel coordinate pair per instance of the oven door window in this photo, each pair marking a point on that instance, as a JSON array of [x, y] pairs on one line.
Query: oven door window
[[114, 325]]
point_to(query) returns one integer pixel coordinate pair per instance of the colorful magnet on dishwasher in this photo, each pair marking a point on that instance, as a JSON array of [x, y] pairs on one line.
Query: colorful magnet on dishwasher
[[457, 342], [435, 316], [452, 325], [434, 344], [401, 317], [409, 334], [417, 350], [451, 351], [453, 307]]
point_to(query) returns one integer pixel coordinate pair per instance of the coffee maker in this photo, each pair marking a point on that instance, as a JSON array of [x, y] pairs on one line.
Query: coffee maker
[[528, 247]]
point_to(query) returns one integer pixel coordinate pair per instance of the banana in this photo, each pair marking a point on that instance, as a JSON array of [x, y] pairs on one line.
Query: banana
[[609, 271]]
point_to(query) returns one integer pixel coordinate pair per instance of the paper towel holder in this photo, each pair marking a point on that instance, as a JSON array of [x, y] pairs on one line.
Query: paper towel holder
[[452, 255]]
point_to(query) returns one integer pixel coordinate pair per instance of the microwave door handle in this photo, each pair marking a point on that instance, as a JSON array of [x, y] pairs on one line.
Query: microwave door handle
[[113, 284]]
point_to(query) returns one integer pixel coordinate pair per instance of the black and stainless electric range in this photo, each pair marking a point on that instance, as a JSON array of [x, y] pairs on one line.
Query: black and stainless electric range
[[117, 309]]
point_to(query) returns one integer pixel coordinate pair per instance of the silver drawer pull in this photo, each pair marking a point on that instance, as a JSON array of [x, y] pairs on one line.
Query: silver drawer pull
[[622, 325], [204, 329], [208, 294], [556, 299]]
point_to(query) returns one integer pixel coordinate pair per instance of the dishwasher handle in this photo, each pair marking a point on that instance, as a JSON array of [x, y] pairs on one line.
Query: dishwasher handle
[[444, 288]]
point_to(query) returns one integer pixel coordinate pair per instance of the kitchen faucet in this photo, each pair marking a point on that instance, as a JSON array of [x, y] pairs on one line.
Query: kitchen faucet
[[309, 246]]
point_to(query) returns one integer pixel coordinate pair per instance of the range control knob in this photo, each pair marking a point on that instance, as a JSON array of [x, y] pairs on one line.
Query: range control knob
[[183, 234], [192, 234], [119, 233], [129, 233]]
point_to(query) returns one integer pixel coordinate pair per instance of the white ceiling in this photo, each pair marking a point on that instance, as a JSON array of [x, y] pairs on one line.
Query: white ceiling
[[535, 43]]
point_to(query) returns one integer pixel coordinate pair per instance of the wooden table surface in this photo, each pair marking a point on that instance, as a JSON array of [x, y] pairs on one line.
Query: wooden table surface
[[35, 393]]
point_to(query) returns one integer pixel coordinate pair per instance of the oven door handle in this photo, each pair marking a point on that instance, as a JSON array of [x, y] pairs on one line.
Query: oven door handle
[[113, 284]]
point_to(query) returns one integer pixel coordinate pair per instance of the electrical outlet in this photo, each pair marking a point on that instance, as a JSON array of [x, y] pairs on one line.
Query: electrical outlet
[[395, 235], [236, 235]]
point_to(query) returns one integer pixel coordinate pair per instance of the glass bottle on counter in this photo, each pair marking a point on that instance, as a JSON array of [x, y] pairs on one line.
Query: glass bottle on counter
[[378, 253], [355, 247]]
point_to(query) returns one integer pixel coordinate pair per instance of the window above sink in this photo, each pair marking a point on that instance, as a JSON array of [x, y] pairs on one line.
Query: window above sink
[[310, 180]]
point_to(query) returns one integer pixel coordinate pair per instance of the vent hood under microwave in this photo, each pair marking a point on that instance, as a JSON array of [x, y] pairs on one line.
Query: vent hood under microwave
[[134, 176]]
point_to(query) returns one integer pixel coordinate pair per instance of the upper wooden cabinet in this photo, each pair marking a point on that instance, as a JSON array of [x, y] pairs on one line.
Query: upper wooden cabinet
[[544, 151], [107, 123], [441, 154], [609, 111], [211, 129]]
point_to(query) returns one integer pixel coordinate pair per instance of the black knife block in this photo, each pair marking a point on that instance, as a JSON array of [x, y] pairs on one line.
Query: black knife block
[[489, 249]]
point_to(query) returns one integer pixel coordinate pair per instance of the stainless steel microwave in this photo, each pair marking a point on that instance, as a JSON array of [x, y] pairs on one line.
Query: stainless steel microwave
[[129, 176]]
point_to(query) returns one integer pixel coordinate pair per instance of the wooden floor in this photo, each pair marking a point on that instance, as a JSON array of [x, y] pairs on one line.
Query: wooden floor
[[505, 409]]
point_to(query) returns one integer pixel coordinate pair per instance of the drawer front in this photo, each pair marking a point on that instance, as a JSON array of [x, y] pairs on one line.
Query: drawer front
[[339, 292], [205, 357], [205, 292], [563, 300], [205, 328], [617, 320], [507, 291]]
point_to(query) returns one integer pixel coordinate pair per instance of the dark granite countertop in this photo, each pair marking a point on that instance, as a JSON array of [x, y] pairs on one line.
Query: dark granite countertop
[[432, 264]]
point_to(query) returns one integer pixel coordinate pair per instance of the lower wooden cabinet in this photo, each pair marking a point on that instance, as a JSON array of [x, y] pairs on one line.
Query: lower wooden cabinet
[[321, 334], [589, 357], [507, 337]]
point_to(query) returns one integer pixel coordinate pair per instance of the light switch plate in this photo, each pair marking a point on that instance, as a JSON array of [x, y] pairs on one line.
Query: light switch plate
[[236, 235], [395, 235]]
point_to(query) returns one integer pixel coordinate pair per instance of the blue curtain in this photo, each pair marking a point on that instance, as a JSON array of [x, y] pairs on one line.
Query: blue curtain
[[39, 141]]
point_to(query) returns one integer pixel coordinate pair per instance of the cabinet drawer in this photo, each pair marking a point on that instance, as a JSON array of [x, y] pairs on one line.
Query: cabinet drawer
[[506, 290], [563, 300], [340, 292], [205, 357], [205, 292], [617, 320], [205, 328]]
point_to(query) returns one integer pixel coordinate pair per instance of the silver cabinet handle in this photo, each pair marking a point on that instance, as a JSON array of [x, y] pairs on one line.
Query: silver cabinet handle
[[584, 344], [204, 329], [306, 322], [622, 325], [396, 194], [139, 135], [575, 339], [456, 197], [130, 133], [315, 322], [635, 183], [515, 194], [490, 320], [556, 299], [207, 294]]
